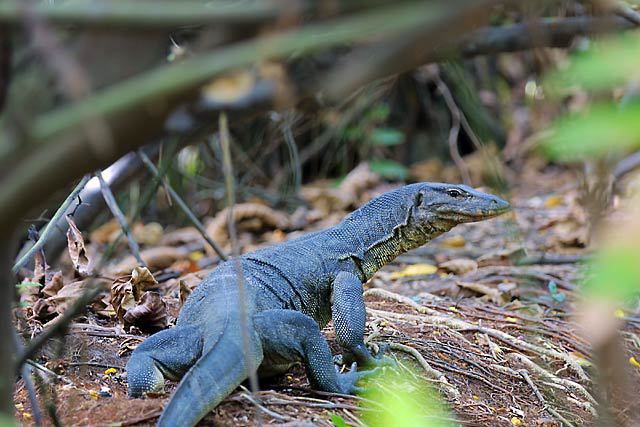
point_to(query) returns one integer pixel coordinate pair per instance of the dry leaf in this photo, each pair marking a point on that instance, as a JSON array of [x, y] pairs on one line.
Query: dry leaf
[[148, 234], [248, 216], [229, 88], [415, 270], [77, 251], [150, 313], [71, 292], [156, 259], [54, 285], [126, 295], [106, 232], [185, 291], [456, 241], [493, 293], [460, 266]]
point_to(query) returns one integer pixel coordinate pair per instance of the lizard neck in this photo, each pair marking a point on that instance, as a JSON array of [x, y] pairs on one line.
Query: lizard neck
[[383, 237]]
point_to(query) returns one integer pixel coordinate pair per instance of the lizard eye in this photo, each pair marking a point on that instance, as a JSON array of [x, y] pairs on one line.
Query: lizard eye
[[418, 199], [454, 192]]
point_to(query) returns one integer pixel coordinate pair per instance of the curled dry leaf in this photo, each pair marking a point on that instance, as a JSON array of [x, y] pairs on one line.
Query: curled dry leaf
[[54, 285], [460, 266], [156, 259], [77, 251], [185, 291], [495, 295], [148, 234], [150, 313], [348, 194], [126, 295], [248, 217], [70, 292]]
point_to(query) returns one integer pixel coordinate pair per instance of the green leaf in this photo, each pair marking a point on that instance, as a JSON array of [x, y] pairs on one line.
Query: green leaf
[[338, 421], [386, 137], [389, 169], [608, 63], [601, 130], [27, 284], [615, 274], [401, 402]]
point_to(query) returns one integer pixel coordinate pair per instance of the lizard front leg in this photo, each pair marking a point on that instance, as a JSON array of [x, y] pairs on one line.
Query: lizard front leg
[[349, 317], [290, 336]]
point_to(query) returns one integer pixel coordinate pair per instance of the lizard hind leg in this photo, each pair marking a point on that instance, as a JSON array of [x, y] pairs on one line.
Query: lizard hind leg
[[166, 354], [289, 336]]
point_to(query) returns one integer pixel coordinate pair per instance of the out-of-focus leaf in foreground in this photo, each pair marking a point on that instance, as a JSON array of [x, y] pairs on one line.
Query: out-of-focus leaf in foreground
[[601, 130], [615, 273], [398, 400], [606, 64]]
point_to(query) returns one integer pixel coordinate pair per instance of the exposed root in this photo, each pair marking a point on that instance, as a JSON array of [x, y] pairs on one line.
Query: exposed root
[[448, 389]]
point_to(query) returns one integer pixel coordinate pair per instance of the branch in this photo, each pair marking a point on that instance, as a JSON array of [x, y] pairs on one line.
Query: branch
[[110, 200], [100, 13], [51, 225]]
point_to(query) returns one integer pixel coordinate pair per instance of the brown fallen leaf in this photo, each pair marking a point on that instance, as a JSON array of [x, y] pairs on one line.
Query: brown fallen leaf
[[248, 217], [54, 285], [415, 270], [149, 314], [125, 295], [156, 258], [148, 234], [70, 292], [77, 251], [495, 295], [185, 291], [460, 266]]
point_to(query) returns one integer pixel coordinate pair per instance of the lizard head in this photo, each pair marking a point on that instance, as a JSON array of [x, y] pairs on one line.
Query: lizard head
[[444, 205]]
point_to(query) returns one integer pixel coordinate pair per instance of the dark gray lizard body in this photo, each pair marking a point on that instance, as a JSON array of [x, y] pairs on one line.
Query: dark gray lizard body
[[293, 289]]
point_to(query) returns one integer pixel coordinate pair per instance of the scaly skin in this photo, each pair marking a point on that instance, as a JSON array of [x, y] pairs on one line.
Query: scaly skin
[[293, 290]]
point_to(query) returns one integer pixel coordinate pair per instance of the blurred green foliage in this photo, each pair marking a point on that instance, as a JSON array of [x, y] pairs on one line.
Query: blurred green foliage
[[398, 400], [605, 127], [615, 274], [597, 131]]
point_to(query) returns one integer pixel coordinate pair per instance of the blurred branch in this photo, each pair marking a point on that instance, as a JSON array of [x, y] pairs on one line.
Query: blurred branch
[[417, 45], [145, 13], [229, 181], [548, 33], [117, 213], [46, 233]]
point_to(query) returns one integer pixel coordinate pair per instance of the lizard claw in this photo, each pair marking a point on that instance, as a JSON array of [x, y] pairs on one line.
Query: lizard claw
[[348, 380]]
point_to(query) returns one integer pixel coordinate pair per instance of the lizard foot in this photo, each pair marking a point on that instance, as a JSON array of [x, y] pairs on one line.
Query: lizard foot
[[363, 356], [347, 380]]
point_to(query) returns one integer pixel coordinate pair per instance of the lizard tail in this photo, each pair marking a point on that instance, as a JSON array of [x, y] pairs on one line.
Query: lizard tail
[[215, 375]]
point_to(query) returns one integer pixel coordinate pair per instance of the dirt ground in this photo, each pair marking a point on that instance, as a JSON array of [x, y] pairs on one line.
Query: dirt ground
[[483, 314]]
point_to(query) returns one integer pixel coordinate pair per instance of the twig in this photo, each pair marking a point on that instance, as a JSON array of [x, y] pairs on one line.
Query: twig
[[26, 373], [227, 169], [451, 392], [110, 200], [182, 205], [540, 398], [146, 417], [622, 9], [247, 395], [455, 127], [50, 225]]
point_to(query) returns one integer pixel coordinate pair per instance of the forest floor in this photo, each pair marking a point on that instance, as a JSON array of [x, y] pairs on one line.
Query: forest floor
[[484, 313]]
